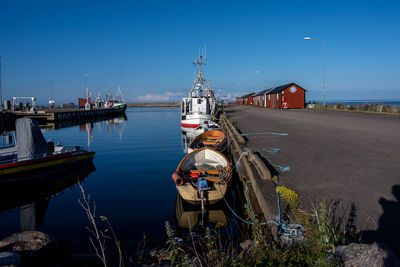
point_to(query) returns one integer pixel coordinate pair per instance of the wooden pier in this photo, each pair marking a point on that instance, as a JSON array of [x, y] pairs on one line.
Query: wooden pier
[[254, 175]]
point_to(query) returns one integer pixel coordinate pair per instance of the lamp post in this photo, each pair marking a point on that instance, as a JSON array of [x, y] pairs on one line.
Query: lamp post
[[323, 63]]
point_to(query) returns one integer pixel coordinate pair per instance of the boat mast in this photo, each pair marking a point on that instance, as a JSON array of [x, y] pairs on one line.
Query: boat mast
[[200, 80]]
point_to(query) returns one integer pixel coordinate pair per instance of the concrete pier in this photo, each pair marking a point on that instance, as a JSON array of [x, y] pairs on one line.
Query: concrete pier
[[348, 156], [64, 114]]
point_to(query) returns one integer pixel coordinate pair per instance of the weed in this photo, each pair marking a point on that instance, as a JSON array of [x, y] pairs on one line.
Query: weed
[[290, 196]]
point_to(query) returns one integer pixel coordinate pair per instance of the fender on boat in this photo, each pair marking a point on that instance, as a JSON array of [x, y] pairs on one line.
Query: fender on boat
[[177, 178]]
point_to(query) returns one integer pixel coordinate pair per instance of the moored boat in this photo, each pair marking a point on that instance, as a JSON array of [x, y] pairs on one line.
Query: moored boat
[[32, 156], [214, 139], [199, 106], [203, 176]]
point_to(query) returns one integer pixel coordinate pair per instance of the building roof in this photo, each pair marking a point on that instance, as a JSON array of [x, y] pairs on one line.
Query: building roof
[[282, 87], [262, 92], [246, 95]]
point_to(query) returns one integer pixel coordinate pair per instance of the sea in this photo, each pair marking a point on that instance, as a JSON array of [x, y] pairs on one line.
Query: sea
[[129, 183]]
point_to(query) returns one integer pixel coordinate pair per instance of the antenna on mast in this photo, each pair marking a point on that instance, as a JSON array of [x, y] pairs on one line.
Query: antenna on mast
[[51, 101]]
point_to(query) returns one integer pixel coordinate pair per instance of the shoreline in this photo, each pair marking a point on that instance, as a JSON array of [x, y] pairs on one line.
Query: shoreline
[[157, 105]]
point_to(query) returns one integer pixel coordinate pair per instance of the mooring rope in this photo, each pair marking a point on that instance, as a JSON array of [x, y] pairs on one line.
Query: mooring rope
[[279, 223], [281, 168]]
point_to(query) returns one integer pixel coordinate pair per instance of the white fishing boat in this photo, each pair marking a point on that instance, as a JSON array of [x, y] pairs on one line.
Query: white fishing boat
[[199, 107]]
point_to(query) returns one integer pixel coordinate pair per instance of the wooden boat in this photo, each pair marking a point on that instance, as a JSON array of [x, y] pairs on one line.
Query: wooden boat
[[32, 157], [202, 177], [214, 139], [39, 165]]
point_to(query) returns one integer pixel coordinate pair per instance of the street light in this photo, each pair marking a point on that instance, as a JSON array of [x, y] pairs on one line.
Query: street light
[[323, 63]]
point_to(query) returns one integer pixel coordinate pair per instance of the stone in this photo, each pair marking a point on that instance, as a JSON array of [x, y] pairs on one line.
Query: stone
[[160, 254], [365, 255], [247, 246], [9, 259], [36, 248]]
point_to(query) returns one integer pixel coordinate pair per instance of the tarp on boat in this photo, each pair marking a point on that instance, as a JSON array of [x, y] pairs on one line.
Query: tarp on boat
[[30, 140]]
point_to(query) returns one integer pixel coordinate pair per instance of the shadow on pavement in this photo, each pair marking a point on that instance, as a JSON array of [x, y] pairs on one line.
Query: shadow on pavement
[[388, 231]]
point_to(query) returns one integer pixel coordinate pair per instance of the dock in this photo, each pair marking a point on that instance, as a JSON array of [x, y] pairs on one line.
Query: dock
[[52, 115], [351, 157]]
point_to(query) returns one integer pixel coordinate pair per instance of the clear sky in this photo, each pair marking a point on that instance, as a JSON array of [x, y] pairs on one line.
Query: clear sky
[[148, 47]]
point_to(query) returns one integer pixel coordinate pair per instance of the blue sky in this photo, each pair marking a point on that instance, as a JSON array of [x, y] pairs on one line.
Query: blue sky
[[148, 47]]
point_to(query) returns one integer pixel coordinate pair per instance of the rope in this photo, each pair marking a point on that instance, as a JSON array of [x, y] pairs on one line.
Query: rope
[[286, 229], [272, 133], [281, 168]]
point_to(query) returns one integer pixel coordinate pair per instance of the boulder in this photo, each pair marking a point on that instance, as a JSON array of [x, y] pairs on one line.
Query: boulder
[[365, 255], [36, 248], [9, 259], [247, 246]]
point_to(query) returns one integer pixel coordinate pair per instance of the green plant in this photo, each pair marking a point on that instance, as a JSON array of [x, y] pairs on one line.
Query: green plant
[[290, 196]]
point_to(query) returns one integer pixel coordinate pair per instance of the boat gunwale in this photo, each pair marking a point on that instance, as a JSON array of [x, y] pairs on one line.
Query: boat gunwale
[[45, 158], [216, 147]]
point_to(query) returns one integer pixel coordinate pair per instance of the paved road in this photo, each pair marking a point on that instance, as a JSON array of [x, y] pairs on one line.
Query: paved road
[[351, 156]]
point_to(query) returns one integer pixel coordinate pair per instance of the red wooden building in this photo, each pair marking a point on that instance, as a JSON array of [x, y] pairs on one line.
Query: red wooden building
[[285, 96], [259, 99], [246, 99]]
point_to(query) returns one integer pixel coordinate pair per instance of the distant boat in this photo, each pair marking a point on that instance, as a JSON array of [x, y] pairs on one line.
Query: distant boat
[[214, 139], [33, 157], [202, 177], [118, 101]]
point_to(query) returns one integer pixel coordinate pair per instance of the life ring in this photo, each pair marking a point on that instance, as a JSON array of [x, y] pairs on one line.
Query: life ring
[[59, 117], [64, 117], [284, 105]]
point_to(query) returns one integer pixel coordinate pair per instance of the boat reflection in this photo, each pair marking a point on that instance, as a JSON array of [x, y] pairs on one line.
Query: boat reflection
[[31, 198], [98, 121], [117, 124], [188, 216], [188, 135]]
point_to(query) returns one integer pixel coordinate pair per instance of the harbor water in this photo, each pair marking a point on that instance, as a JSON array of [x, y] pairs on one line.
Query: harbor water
[[129, 181]]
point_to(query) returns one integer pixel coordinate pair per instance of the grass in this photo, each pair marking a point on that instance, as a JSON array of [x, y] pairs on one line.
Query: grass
[[323, 230], [322, 234], [290, 196]]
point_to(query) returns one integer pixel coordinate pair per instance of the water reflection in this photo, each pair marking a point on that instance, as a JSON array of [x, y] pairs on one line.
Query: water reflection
[[102, 120], [188, 135], [31, 198], [188, 216]]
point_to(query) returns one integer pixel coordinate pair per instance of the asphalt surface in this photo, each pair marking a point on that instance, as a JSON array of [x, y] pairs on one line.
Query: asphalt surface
[[353, 157]]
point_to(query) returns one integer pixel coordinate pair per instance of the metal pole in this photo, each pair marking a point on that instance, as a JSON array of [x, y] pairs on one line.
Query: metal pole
[[323, 65], [323, 69]]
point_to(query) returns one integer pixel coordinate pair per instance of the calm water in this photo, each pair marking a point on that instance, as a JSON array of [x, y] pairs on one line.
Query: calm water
[[131, 184]]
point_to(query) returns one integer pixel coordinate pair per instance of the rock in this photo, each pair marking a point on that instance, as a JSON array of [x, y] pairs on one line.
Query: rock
[[9, 259], [36, 248], [247, 246], [160, 254], [365, 255]]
